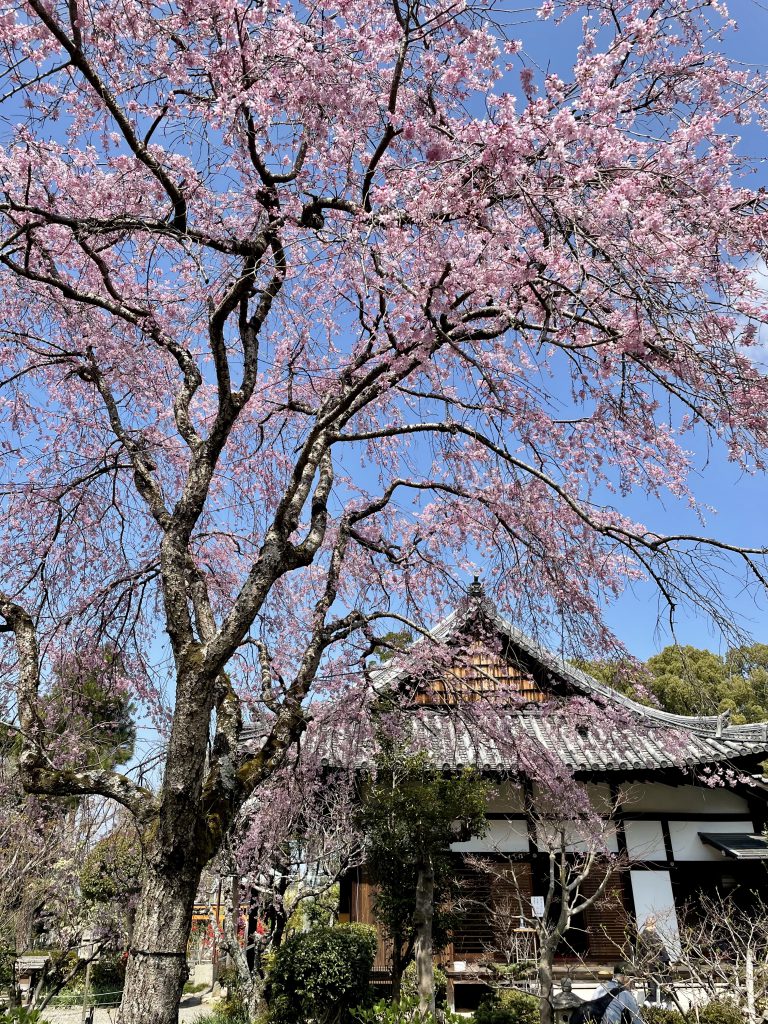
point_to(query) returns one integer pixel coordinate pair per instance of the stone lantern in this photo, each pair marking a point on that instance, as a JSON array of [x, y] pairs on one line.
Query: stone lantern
[[565, 1002]]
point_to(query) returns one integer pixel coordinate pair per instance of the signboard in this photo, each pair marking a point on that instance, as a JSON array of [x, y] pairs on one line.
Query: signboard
[[537, 906]]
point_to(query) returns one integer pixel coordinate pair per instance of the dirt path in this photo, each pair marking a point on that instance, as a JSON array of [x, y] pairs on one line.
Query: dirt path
[[73, 1014]]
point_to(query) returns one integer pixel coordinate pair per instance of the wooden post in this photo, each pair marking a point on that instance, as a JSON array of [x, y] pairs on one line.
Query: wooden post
[[86, 986]]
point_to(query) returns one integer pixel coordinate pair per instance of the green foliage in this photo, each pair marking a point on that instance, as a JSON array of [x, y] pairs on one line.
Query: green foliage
[[411, 813], [68, 997], [192, 988], [717, 1012], [721, 1012], [409, 984], [507, 974], [224, 1012], [112, 870], [385, 1012], [20, 1015], [404, 1012], [7, 957], [314, 911], [89, 699], [107, 974], [508, 1006], [659, 1015], [392, 643], [322, 974], [691, 681]]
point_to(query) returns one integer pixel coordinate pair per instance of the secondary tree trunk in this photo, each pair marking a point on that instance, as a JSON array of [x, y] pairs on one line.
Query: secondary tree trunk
[[157, 963], [546, 985], [749, 979], [397, 968], [423, 951]]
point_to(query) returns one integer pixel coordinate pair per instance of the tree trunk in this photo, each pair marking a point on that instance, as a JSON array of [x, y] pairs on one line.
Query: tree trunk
[[157, 963], [422, 920], [546, 985], [749, 978], [397, 970]]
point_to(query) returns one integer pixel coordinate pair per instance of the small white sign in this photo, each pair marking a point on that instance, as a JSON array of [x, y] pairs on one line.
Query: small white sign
[[537, 906]]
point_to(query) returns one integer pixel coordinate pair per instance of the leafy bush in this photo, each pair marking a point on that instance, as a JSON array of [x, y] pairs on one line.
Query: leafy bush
[[322, 974], [404, 1012], [223, 1013], [20, 1015], [112, 870], [108, 973], [69, 996], [441, 984], [385, 1012], [720, 1012], [191, 987], [509, 1006], [659, 1015]]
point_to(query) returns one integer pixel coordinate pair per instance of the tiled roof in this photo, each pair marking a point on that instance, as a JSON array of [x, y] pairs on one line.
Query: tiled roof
[[737, 845], [587, 725], [454, 741], [637, 725]]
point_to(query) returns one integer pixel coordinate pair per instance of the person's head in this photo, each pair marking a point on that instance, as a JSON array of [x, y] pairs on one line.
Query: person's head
[[624, 974]]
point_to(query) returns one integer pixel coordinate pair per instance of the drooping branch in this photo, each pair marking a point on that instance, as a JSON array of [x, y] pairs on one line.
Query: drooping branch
[[38, 773]]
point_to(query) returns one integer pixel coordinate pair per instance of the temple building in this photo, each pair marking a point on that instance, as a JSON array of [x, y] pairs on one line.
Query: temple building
[[684, 797]]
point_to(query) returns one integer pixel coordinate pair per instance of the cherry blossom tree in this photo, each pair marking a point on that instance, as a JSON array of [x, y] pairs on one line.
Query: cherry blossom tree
[[305, 307], [574, 840], [286, 852]]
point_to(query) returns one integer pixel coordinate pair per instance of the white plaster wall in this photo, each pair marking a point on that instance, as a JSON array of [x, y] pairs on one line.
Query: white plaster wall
[[652, 895], [600, 796], [686, 844], [550, 838], [690, 799], [507, 799], [645, 840], [502, 837]]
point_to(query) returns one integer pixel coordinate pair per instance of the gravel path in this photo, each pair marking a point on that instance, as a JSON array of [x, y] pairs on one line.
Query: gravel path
[[73, 1014]]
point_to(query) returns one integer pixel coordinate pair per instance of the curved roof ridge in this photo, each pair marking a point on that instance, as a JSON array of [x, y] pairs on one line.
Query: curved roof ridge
[[715, 726], [705, 724]]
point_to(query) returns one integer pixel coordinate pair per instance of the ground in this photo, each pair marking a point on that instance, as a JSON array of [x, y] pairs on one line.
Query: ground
[[73, 1014]]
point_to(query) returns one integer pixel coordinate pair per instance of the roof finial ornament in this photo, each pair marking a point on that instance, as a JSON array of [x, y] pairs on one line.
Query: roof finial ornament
[[476, 588]]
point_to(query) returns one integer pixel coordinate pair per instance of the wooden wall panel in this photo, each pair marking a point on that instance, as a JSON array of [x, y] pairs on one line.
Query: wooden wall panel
[[607, 919], [478, 673], [489, 909]]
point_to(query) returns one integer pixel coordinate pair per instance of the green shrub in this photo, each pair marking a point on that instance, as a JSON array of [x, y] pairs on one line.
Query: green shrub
[[69, 997], [659, 1015], [441, 984], [385, 1012], [223, 1013], [404, 1012], [721, 1012], [508, 1006], [191, 987], [108, 974], [322, 974], [20, 1015]]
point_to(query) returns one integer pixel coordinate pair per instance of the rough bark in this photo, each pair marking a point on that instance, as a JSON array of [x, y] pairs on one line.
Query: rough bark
[[546, 985], [397, 973], [423, 947], [157, 966]]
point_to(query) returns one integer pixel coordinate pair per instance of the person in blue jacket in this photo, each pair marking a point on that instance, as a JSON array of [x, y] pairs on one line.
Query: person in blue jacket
[[623, 1009]]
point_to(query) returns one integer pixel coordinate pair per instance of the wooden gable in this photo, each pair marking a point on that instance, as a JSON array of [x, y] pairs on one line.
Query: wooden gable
[[479, 673]]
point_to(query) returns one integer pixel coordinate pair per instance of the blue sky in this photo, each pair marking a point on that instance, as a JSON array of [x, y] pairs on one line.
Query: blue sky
[[741, 501]]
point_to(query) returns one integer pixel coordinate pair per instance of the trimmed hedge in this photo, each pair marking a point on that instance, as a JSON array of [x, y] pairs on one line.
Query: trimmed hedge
[[322, 974], [509, 1006]]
